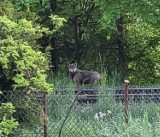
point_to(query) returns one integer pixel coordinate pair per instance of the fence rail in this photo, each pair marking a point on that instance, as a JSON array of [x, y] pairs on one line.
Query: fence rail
[[134, 94]]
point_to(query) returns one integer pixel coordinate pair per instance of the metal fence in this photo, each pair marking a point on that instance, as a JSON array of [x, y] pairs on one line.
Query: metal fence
[[29, 110], [69, 113], [94, 109]]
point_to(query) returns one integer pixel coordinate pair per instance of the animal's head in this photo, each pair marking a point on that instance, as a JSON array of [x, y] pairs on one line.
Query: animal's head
[[72, 68]]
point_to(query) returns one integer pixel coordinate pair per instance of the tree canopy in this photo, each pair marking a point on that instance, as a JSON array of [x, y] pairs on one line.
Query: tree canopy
[[105, 35]]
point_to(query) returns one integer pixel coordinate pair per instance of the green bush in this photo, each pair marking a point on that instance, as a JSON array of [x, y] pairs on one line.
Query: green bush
[[7, 122], [21, 61]]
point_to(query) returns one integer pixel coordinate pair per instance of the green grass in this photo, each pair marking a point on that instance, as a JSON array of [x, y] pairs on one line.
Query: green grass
[[144, 118], [103, 119], [86, 120]]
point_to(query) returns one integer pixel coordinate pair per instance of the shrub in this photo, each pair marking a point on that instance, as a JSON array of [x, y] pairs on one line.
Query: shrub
[[7, 122], [22, 64]]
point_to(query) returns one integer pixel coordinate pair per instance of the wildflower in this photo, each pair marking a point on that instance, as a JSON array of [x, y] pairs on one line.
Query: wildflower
[[96, 116], [101, 115], [109, 112]]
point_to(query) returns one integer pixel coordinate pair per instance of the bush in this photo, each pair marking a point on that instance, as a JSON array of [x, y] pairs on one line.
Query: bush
[[22, 64], [7, 122]]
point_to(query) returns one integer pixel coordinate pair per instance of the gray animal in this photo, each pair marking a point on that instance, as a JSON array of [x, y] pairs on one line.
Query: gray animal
[[81, 77]]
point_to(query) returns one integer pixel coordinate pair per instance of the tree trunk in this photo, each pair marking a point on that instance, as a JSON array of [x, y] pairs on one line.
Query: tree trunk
[[54, 51], [54, 55], [77, 42], [122, 62]]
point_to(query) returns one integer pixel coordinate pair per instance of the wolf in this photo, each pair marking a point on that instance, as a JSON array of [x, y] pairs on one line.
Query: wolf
[[81, 77]]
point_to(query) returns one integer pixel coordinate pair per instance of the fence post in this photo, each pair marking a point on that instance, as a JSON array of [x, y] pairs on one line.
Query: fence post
[[126, 83], [45, 114]]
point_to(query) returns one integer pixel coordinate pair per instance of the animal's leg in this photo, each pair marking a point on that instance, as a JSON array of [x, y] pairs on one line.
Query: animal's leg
[[79, 86], [94, 84]]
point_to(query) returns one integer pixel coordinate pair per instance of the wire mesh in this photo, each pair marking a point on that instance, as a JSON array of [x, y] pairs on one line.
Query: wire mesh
[[28, 108], [140, 95], [94, 110], [89, 114]]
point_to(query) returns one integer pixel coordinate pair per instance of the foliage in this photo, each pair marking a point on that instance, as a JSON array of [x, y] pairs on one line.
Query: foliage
[[7, 122], [28, 108], [57, 22], [143, 53], [135, 128], [121, 36], [120, 39], [116, 34], [20, 55]]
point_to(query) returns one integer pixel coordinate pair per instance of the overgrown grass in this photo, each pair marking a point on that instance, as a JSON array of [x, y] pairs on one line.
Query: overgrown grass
[[63, 80], [60, 80], [105, 118]]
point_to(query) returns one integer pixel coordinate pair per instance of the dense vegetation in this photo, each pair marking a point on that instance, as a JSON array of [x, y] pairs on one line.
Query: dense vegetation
[[39, 38], [103, 119], [107, 36]]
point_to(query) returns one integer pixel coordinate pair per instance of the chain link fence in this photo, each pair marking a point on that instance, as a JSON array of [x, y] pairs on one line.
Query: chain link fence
[[90, 113], [84, 118], [29, 108], [94, 111]]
